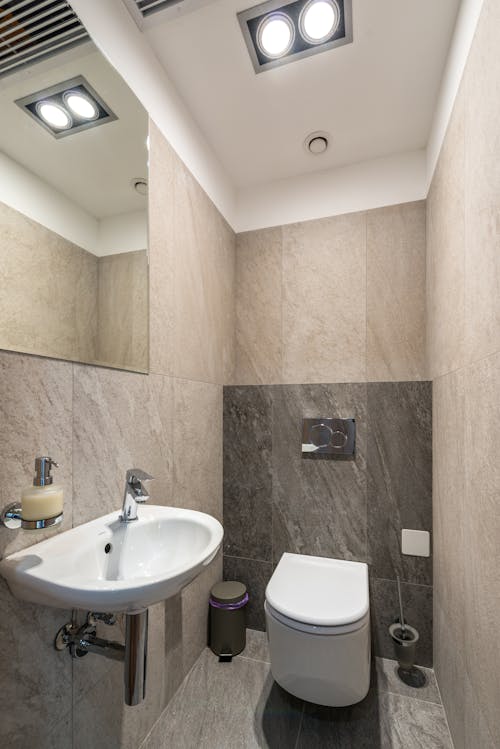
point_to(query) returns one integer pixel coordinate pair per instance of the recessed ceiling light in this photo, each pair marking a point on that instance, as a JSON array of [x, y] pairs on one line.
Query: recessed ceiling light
[[67, 107], [54, 115], [277, 32], [317, 142], [319, 20], [275, 35], [81, 105]]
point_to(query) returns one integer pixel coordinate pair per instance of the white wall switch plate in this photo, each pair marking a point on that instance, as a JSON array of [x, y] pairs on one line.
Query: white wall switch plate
[[416, 543]]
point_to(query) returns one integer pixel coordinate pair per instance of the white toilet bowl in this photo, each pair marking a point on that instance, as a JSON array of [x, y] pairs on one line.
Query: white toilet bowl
[[318, 624]]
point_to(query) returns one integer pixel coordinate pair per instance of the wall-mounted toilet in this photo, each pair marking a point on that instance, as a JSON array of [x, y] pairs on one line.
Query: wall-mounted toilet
[[318, 624]]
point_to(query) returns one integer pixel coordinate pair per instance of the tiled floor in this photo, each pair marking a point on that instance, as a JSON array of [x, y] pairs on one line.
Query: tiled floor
[[238, 706]]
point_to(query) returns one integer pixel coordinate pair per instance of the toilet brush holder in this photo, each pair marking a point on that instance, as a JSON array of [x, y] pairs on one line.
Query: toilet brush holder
[[405, 640]]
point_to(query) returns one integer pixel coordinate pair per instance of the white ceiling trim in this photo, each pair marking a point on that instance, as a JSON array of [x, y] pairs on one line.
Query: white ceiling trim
[[357, 187], [396, 179], [465, 28]]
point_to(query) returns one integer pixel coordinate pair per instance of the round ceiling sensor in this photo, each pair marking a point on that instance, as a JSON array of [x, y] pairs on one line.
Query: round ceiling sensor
[[316, 143], [140, 185]]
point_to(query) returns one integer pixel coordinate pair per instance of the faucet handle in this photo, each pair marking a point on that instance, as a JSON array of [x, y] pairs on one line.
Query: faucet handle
[[137, 474]]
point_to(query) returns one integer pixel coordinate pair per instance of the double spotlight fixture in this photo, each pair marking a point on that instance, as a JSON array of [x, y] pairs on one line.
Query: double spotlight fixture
[[67, 108], [276, 32]]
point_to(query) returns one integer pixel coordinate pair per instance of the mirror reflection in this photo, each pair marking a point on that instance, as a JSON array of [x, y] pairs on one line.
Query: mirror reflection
[[73, 212]]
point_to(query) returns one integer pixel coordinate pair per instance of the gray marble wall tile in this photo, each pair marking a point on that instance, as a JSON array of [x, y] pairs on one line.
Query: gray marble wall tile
[[35, 418], [248, 472], [399, 476], [417, 602], [319, 506], [121, 420], [255, 575]]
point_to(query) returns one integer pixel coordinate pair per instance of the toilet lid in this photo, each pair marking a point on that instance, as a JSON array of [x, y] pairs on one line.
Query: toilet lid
[[317, 590]]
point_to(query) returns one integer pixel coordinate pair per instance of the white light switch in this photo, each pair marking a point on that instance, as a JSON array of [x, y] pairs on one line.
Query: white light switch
[[415, 543]]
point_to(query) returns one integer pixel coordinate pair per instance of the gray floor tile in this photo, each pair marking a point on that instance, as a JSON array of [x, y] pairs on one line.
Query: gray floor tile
[[386, 679], [228, 706], [257, 647], [381, 721]]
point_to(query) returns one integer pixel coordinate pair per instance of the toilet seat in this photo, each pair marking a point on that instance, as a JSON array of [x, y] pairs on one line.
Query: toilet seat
[[319, 593], [314, 629]]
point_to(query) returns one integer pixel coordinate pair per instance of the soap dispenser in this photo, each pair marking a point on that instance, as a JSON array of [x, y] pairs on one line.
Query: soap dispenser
[[43, 500]]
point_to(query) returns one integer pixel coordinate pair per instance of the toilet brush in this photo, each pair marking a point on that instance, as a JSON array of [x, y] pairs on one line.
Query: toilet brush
[[401, 615], [405, 640]]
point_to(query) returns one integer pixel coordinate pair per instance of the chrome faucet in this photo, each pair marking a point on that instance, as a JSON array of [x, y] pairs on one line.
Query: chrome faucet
[[134, 493]]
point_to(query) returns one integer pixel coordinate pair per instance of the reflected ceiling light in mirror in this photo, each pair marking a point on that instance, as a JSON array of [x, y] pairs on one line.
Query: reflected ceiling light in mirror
[[319, 20], [277, 32], [275, 35], [67, 107], [54, 115], [81, 105]]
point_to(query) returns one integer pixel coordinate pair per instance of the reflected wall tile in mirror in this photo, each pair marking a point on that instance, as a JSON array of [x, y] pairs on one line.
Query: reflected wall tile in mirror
[[43, 311], [121, 420]]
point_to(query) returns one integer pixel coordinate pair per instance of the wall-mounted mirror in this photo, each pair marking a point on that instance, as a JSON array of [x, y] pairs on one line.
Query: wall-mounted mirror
[[73, 197]]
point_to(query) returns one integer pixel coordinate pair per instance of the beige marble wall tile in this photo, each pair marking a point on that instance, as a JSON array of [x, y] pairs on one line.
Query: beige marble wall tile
[[395, 303], [122, 308], [192, 270], [121, 420], [482, 527], [35, 680], [446, 251], [258, 307], [197, 446], [195, 612], [324, 300], [101, 719], [450, 553], [161, 220], [204, 270], [48, 300], [36, 419], [482, 185], [449, 504]]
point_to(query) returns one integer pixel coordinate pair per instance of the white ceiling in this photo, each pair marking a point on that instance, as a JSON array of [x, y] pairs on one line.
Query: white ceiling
[[376, 96], [92, 168]]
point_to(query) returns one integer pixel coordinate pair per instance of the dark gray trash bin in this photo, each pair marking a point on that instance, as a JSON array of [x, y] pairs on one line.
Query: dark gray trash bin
[[227, 618]]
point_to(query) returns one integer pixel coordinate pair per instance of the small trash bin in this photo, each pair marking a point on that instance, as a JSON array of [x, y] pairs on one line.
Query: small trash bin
[[227, 618]]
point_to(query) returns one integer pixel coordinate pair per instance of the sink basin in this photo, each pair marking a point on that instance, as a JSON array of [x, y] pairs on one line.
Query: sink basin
[[110, 566]]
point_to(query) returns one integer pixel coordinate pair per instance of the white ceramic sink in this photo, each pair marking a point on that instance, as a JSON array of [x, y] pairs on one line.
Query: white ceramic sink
[[110, 566]]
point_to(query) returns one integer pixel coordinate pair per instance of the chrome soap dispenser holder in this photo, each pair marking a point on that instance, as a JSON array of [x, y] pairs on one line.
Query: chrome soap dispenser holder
[[11, 515]]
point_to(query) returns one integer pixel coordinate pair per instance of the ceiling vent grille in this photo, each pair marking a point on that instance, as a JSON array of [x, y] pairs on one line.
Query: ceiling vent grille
[[147, 7], [33, 29]]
